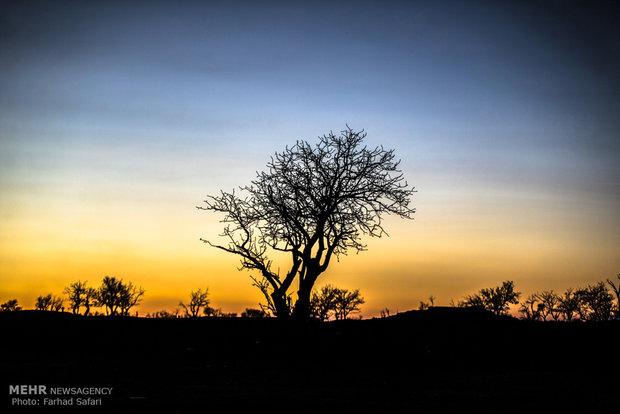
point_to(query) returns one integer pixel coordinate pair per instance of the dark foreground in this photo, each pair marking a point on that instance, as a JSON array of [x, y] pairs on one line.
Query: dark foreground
[[441, 360]]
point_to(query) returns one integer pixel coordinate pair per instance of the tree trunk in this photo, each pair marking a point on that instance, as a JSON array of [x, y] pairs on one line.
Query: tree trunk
[[301, 312], [282, 310]]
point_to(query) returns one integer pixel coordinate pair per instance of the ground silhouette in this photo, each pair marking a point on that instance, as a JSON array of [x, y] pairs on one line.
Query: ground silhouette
[[441, 359]]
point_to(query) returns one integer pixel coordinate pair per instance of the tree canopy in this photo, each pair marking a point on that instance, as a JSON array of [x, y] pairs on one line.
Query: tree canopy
[[314, 202]]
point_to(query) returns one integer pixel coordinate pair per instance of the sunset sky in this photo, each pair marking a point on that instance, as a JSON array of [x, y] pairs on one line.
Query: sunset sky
[[118, 118]]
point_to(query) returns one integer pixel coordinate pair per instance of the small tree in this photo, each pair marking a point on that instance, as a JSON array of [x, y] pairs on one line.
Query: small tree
[[90, 299], [80, 295], [596, 301], [347, 302], [198, 300], [109, 294], [496, 300], [48, 302], [531, 308], [569, 305], [323, 303], [117, 297], [549, 300], [10, 306], [130, 297], [426, 305]]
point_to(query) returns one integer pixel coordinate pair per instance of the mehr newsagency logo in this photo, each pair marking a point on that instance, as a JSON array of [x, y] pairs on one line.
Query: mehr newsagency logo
[[35, 395]]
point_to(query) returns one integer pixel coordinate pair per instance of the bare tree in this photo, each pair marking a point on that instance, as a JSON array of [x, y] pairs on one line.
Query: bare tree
[[531, 308], [130, 297], [549, 300], [616, 290], [117, 297], [569, 305], [347, 302], [426, 305], [80, 295], [330, 301], [198, 300], [496, 300], [323, 303], [10, 305], [109, 294], [49, 302], [596, 302], [314, 202], [90, 299]]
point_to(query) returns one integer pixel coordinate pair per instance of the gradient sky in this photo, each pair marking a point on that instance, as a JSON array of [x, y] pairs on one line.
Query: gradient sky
[[118, 118]]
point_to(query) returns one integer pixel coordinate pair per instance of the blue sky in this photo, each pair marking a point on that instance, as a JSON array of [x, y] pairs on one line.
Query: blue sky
[[505, 114]]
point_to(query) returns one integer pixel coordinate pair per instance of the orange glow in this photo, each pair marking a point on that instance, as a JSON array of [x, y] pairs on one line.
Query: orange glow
[[440, 253]]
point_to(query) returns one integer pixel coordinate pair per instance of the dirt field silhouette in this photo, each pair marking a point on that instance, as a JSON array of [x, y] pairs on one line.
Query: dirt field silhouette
[[439, 360]]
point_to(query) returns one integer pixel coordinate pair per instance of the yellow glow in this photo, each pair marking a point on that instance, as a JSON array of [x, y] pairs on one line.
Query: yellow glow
[[447, 254]]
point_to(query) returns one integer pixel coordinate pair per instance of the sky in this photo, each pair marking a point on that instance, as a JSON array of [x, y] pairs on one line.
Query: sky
[[117, 119]]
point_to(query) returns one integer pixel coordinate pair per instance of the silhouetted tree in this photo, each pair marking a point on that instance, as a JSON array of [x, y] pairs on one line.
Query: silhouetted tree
[[531, 308], [616, 290], [569, 305], [109, 294], [313, 202], [198, 300], [596, 302], [80, 295], [253, 313], [48, 302], [496, 300], [347, 302], [549, 300], [90, 299], [117, 297], [332, 301], [10, 305], [323, 303], [385, 312], [426, 305], [130, 297]]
